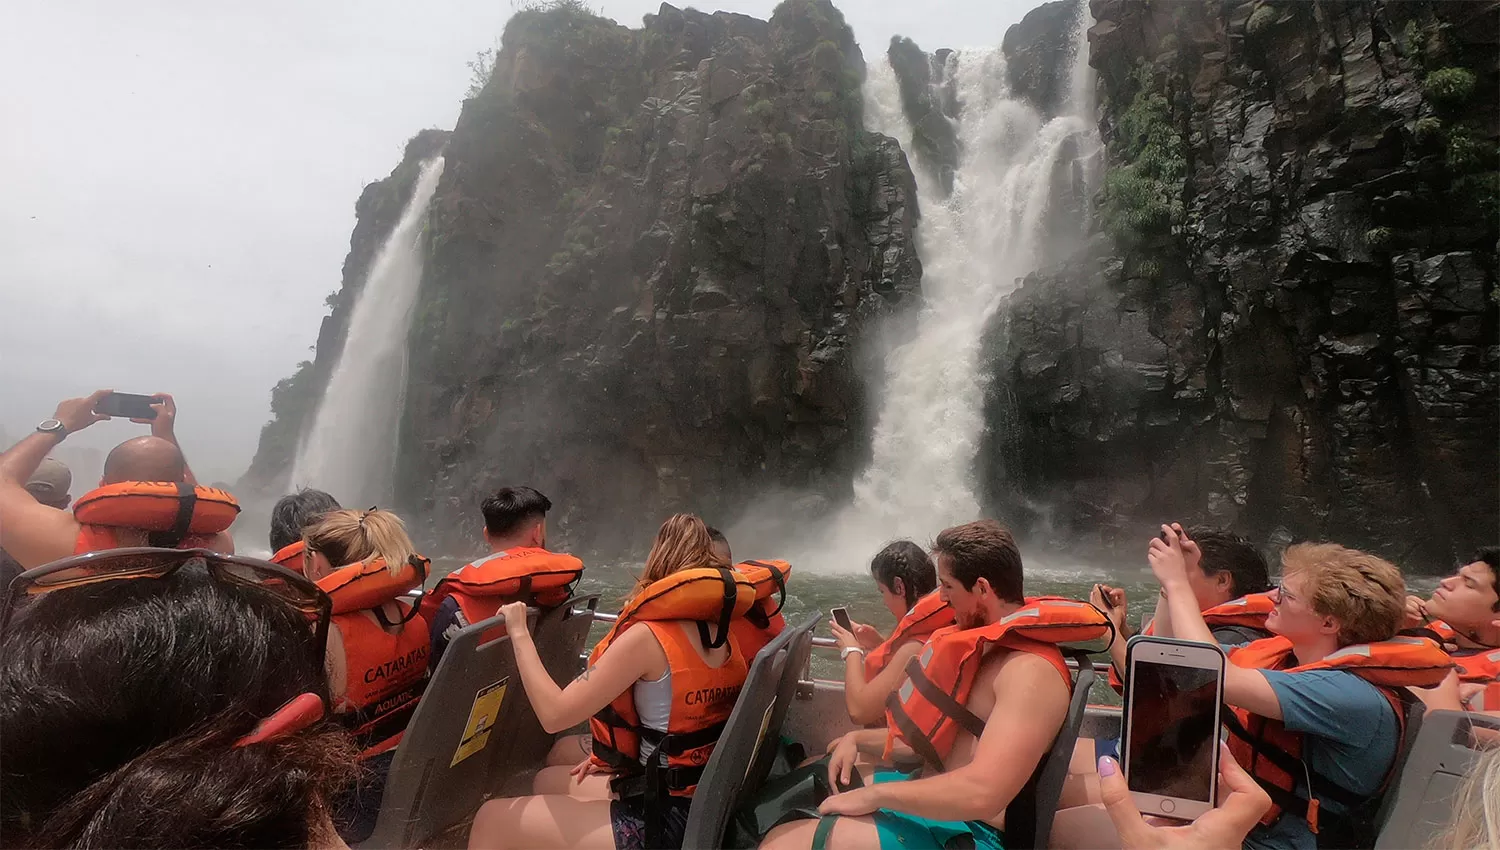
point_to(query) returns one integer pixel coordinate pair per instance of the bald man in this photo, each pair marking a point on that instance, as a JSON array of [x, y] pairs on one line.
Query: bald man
[[36, 534]]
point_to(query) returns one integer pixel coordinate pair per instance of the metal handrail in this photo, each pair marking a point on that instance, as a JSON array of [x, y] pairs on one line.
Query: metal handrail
[[819, 642]]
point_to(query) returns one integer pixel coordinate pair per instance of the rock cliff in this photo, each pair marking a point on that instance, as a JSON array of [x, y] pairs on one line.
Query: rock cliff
[[652, 258], [1288, 323]]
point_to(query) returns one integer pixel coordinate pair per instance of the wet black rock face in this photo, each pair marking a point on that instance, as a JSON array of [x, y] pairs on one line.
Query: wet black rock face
[[1306, 346]]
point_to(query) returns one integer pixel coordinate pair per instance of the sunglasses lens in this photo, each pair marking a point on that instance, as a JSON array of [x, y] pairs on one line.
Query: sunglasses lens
[[302, 596], [110, 567]]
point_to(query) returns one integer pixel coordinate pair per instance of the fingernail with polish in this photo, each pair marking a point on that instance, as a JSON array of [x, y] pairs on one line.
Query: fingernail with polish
[[1106, 766]]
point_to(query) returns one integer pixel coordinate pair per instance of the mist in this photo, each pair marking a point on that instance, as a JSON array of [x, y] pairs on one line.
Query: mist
[[179, 184]]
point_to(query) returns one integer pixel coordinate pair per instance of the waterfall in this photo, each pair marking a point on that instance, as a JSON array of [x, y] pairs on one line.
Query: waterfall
[[350, 451], [975, 245]]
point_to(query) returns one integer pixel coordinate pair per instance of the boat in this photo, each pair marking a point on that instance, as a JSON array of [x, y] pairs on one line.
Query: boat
[[474, 737]]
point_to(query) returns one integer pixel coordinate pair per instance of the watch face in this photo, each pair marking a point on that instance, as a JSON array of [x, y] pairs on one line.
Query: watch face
[[49, 425]]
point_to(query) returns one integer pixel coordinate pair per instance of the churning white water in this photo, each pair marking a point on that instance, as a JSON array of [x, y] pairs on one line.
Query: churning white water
[[975, 246], [350, 451]]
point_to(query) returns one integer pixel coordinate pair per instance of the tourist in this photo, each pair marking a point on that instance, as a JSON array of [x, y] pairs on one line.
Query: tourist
[[180, 707], [874, 666], [293, 514], [377, 645], [1464, 612], [1296, 698], [1012, 683], [1241, 804], [36, 534], [515, 535], [720, 545], [49, 485], [645, 667]]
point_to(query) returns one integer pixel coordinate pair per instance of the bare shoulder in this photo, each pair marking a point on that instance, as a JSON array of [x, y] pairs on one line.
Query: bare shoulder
[[1028, 670]]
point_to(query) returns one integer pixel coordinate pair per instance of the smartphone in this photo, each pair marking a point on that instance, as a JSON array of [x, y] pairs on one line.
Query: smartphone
[[1174, 691], [128, 405], [841, 616]]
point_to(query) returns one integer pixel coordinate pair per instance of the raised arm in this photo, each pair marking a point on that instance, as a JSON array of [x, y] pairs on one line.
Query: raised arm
[[1243, 687], [1111, 600], [630, 657], [1031, 703], [865, 699], [34, 533], [165, 427]]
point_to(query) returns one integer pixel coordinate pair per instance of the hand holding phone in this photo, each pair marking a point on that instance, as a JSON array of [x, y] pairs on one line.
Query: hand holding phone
[[1174, 690], [128, 405], [841, 616]]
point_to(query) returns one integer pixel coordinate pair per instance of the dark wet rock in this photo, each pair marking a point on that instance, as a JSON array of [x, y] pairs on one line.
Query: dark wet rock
[[1038, 54], [930, 101], [652, 257], [1313, 353]]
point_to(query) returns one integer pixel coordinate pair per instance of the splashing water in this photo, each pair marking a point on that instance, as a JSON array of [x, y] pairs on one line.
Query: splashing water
[[976, 245], [350, 451]]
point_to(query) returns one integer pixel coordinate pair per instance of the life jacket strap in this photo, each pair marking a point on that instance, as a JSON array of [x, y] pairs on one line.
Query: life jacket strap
[[187, 501], [780, 583], [677, 743], [726, 611], [1318, 784]]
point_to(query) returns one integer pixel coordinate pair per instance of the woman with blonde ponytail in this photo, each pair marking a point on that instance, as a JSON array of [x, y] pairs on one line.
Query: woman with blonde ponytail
[[377, 643]]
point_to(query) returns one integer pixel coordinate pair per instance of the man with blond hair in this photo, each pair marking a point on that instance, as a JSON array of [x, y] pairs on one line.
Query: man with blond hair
[[1316, 712]]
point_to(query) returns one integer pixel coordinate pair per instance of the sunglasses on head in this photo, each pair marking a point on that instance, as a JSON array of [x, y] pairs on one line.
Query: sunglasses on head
[[298, 591]]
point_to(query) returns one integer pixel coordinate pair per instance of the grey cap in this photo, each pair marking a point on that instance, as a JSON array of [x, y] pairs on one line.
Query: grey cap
[[50, 483]]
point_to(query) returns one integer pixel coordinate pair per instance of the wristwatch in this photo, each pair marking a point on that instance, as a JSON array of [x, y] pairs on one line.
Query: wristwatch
[[844, 653], [52, 426]]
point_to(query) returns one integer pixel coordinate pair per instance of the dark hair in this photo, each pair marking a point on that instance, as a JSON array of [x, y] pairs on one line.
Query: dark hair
[[1226, 552], [297, 511], [513, 508], [118, 696], [907, 561], [983, 549], [1490, 557], [717, 536]]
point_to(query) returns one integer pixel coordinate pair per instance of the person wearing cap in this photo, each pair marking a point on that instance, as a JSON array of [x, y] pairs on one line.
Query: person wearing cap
[[49, 485]]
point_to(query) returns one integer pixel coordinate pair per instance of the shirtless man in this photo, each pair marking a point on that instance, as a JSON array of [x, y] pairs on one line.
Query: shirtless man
[[36, 534], [1020, 696]]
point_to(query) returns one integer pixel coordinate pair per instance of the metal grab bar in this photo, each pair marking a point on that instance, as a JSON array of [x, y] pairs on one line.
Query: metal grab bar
[[1100, 667]]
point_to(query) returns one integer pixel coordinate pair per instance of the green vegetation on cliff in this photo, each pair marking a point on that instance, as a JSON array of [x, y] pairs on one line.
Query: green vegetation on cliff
[[1143, 190]]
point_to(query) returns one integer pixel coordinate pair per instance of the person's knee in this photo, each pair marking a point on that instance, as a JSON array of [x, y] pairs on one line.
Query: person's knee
[[495, 818], [797, 835]]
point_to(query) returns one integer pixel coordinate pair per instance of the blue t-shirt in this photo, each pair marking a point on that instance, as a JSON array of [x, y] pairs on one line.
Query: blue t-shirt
[[1351, 736]]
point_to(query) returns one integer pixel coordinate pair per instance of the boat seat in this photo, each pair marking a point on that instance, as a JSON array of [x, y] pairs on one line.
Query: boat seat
[[1444, 750], [442, 771], [742, 759], [559, 635], [1028, 818]]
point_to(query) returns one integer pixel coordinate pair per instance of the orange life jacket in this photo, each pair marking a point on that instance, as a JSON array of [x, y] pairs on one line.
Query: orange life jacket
[[927, 616], [928, 710], [763, 622], [702, 696], [1244, 617], [1273, 755], [290, 556], [385, 662], [173, 515], [525, 574], [1481, 667]]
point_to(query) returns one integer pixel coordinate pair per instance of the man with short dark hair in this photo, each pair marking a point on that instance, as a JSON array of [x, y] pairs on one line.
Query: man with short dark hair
[[293, 513], [1464, 613], [515, 530], [1017, 689], [719, 545]]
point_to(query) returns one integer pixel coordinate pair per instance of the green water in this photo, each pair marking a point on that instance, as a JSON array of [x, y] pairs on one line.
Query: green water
[[810, 591]]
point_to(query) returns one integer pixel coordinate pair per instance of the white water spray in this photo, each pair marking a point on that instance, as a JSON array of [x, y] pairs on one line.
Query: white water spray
[[350, 451], [975, 245]]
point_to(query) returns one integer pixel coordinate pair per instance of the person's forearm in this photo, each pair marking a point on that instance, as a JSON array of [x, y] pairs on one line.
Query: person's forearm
[[871, 742], [854, 684], [953, 796], [1161, 618], [1117, 652], [544, 693], [1187, 620], [19, 463]]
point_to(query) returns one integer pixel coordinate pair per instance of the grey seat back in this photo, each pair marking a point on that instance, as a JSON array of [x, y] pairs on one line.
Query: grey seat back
[[742, 758], [442, 770], [1444, 750], [1028, 818], [559, 636]]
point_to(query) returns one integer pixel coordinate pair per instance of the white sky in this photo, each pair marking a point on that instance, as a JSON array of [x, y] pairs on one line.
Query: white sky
[[177, 181]]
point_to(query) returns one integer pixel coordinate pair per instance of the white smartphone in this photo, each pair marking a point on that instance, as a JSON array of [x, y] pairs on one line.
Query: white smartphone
[[1174, 691]]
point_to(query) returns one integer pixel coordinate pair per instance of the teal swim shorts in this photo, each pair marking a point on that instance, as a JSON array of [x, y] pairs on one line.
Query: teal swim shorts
[[900, 831]]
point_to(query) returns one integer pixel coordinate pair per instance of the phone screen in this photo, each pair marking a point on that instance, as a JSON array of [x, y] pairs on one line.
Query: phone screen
[[841, 616], [1174, 730], [129, 405]]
